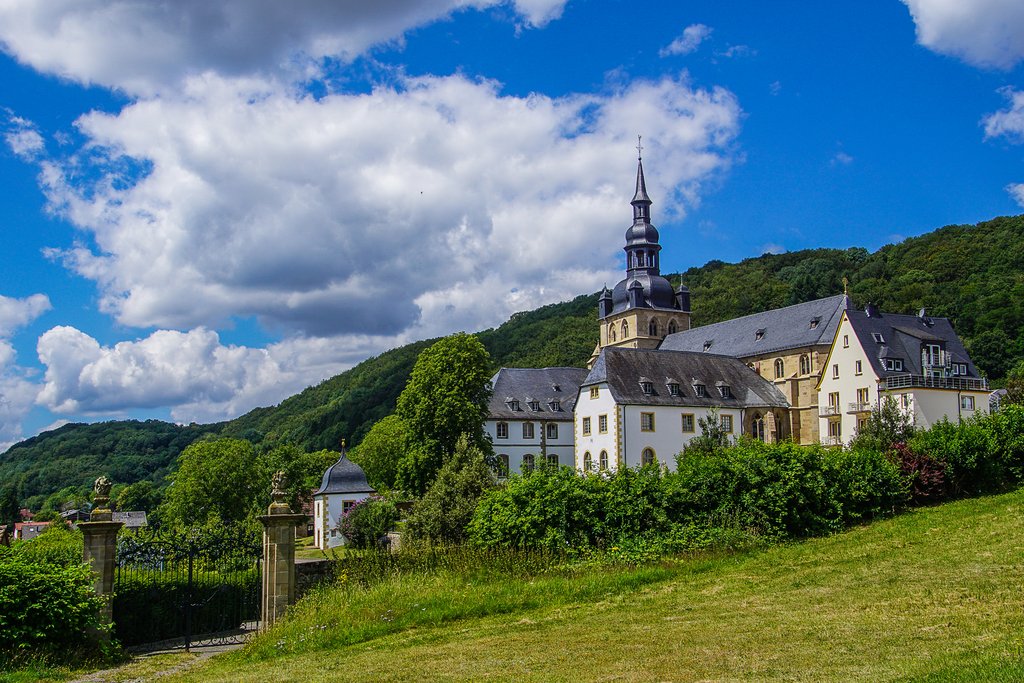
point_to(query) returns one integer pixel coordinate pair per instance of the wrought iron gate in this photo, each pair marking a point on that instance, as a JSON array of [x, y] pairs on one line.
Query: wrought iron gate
[[190, 587]]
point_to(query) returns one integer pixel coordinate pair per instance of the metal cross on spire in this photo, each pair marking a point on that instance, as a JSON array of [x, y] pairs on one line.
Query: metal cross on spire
[[639, 149]]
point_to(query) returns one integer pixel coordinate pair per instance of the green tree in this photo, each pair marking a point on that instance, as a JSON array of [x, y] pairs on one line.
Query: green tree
[[445, 511], [713, 437], [446, 397], [215, 480], [381, 450], [1015, 385], [368, 520], [887, 426], [303, 473], [142, 495], [10, 510], [992, 351]]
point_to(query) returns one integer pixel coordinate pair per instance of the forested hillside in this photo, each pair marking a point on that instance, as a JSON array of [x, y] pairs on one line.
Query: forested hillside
[[971, 274]]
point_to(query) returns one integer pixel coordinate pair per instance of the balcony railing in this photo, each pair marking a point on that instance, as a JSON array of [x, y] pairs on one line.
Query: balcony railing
[[831, 441], [860, 407], [958, 383], [828, 411]]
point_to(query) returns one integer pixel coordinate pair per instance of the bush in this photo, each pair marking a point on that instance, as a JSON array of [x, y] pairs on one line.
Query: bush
[[368, 520], [57, 545], [1006, 430], [925, 476], [48, 610], [972, 464]]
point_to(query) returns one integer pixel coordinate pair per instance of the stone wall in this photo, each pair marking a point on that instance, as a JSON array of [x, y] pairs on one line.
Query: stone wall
[[309, 575]]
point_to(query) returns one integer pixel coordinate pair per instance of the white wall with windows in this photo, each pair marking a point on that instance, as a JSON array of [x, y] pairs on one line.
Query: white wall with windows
[[328, 509], [637, 434], [519, 443]]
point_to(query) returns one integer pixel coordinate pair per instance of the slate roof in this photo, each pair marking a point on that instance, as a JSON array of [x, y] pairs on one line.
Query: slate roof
[[783, 328], [903, 336], [344, 476], [623, 369], [532, 384]]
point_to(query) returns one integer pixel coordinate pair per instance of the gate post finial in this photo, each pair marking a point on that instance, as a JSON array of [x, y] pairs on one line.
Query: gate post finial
[[100, 542], [278, 553]]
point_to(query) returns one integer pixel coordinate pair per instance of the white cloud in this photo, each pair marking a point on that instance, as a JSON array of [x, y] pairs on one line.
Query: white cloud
[[985, 33], [146, 46], [772, 248], [15, 313], [1007, 122], [690, 39], [348, 214], [1016, 191], [17, 391], [842, 159], [23, 137]]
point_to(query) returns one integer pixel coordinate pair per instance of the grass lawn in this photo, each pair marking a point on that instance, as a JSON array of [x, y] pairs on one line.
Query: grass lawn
[[933, 595]]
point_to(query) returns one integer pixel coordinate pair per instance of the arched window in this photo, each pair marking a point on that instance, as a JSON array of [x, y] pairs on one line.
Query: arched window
[[611, 333], [757, 427], [805, 365], [528, 462], [672, 329], [639, 259], [652, 328], [503, 464], [780, 368], [553, 459], [604, 460], [647, 457], [588, 462], [625, 330]]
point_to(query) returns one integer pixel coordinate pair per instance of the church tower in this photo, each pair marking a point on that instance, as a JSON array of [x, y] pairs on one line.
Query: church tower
[[642, 308]]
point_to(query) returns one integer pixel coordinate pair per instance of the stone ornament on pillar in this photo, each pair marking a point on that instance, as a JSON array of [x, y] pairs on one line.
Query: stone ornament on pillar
[[278, 553], [100, 542]]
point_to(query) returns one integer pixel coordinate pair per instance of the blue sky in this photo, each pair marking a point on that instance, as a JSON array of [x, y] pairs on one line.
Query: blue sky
[[206, 208]]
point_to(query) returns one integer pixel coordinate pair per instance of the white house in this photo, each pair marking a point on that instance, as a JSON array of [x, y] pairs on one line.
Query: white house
[[639, 407], [344, 484], [530, 416], [918, 360]]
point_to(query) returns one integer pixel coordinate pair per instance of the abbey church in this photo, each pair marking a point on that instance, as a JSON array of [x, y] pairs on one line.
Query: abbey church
[[810, 373]]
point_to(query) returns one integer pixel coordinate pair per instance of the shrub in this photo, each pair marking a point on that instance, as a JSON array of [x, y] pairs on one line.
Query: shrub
[[925, 476], [48, 610], [865, 484], [1006, 430], [445, 511], [368, 520], [967, 449]]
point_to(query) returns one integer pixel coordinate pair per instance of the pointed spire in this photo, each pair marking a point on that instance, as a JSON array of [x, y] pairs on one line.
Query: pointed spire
[[641, 185]]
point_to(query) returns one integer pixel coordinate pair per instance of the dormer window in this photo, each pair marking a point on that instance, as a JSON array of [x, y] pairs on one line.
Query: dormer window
[[556, 387], [555, 404], [814, 322], [894, 364], [647, 388], [513, 404], [725, 391], [699, 390], [877, 336], [673, 388], [534, 405], [707, 345], [759, 335]]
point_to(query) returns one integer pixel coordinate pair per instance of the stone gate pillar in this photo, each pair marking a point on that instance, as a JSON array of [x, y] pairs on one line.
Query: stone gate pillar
[[100, 549], [278, 555]]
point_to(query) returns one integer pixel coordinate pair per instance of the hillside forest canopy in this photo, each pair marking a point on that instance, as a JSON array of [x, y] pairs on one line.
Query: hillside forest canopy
[[972, 274]]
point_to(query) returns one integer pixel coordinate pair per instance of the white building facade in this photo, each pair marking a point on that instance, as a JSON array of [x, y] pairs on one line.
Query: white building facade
[[642, 407], [530, 416], [917, 360], [344, 484]]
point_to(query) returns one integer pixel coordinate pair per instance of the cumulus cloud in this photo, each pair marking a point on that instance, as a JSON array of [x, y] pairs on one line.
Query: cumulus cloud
[[146, 46], [17, 390], [690, 39], [985, 33], [15, 313], [203, 379], [1009, 122], [23, 137], [369, 214], [1016, 191]]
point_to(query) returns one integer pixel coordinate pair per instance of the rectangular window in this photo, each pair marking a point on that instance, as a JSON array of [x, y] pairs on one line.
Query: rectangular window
[[502, 430], [602, 424], [862, 424], [527, 430], [905, 400], [862, 395], [646, 422], [833, 399], [586, 426], [835, 429], [846, 341], [552, 430], [594, 392], [726, 422], [346, 506], [688, 423], [967, 402], [835, 372], [858, 368]]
